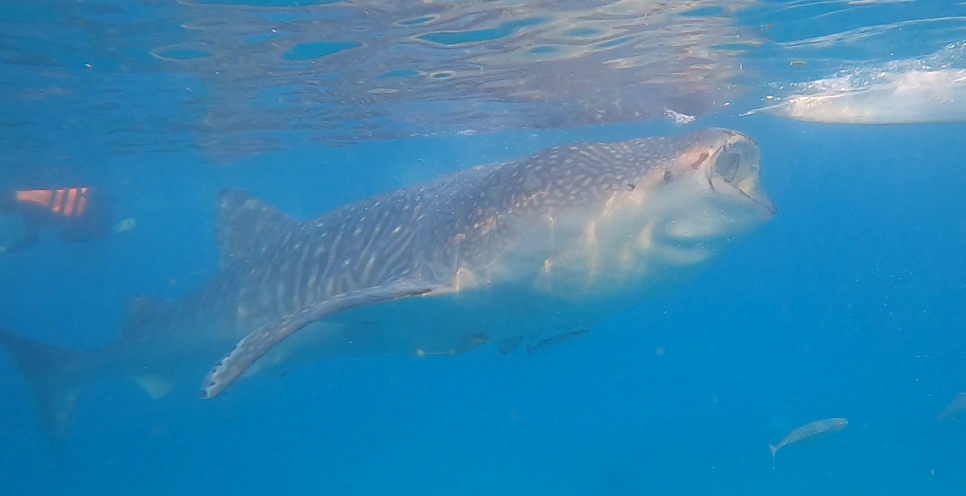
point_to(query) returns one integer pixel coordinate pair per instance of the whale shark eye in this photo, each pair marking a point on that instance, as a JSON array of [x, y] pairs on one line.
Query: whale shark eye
[[668, 176]]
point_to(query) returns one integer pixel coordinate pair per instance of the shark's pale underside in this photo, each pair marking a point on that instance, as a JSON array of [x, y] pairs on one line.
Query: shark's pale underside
[[534, 249]]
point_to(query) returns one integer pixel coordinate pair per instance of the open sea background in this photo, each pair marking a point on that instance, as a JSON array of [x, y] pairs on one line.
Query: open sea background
[[850, 303]]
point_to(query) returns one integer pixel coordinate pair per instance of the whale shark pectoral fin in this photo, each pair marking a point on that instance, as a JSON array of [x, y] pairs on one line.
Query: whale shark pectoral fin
[[156, 387], [256, 344]]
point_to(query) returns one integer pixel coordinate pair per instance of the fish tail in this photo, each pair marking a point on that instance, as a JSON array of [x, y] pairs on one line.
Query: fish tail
[[774, 451], [45, 368]]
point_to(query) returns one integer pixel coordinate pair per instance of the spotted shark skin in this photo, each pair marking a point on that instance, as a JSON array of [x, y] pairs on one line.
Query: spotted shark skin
[[529, 247]]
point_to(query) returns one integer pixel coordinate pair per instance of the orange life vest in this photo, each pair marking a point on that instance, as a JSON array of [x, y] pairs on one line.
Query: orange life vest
[[69, 202]]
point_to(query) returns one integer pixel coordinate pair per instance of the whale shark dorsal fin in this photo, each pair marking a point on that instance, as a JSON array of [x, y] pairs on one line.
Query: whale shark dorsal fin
[[256, 344], [246, 224]]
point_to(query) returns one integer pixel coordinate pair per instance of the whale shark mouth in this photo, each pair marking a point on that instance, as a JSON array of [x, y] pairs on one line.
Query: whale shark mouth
[[735, 170]]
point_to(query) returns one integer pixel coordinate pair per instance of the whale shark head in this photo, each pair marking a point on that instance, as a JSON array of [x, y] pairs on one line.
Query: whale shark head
[[713, 187], [613, 217]]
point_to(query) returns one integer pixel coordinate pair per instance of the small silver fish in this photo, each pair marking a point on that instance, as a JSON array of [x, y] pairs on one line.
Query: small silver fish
[[550, 343], [809, 431], [955, 407]]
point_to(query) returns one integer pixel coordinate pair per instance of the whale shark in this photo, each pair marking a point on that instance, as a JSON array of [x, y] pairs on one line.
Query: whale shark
[[532, 250]]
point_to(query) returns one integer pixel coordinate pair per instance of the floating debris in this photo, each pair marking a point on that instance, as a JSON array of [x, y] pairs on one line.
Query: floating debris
[[678, 118], [125, 225]]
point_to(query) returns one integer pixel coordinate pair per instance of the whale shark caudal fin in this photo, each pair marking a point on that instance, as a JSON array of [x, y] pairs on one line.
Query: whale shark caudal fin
[[256, 344], [46, 368]]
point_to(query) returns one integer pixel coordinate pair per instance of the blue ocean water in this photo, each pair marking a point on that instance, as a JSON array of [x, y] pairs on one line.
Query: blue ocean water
[[850, 303]]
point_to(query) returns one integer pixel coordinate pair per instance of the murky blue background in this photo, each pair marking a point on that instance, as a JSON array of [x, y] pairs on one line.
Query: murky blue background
[[851, 303]]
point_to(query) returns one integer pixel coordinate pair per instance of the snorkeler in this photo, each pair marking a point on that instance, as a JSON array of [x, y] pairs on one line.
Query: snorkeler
[[82, 213]]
